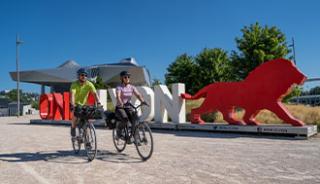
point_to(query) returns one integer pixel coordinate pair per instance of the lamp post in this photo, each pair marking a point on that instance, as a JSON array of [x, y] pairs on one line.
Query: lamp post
[[18, 42]]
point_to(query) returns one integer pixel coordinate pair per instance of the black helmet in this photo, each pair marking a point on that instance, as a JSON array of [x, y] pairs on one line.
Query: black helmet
[[82, 71], [124, 73]]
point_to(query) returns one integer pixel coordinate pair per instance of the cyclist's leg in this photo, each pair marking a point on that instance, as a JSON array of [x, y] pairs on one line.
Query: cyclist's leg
[[73, 125], [131, 116], [122, 115], [133, 120]]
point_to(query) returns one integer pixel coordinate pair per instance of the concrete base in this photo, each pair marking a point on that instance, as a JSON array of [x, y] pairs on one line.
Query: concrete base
[[279, 129], [97, 123], [271, 129]]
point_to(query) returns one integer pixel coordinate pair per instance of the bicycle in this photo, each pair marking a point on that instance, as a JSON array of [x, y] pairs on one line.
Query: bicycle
[[140, 134], [86, 131]]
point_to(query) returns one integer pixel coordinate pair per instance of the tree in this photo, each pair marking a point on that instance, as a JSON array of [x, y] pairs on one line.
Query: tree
[[213, 65], [12, 94], [257, 45], [155, 82], [182, 70], [296, 91], [210, 65], [24, 98], [35, 105], [99, 84], [314, 91]]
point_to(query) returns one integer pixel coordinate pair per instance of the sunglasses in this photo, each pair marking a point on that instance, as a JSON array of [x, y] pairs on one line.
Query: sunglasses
[[83, 75]]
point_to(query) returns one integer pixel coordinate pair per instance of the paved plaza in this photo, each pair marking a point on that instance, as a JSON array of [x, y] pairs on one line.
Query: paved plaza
[[43, 154]]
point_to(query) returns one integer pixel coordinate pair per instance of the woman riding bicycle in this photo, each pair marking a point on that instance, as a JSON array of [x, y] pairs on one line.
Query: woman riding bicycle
[[124, 93]]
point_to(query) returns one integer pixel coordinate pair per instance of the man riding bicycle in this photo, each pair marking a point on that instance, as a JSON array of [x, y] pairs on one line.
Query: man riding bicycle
[[124, 93], [79, 91]]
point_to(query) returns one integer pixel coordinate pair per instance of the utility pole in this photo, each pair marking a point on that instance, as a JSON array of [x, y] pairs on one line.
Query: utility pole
[[294, 51], [18, 42]]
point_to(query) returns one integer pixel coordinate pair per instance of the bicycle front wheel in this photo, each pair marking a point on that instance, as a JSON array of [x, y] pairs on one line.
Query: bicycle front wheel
[[119, 136], [90, 142], [143, 140]]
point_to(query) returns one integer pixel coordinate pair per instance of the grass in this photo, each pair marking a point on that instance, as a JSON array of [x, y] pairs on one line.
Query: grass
[[307, 114]]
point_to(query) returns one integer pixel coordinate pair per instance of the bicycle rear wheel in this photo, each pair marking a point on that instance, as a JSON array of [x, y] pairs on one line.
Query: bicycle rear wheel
[[119, 138], [90, 141], [143, 140]]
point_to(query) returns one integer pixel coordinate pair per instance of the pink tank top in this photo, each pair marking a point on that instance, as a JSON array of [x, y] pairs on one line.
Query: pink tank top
[[126, 92]]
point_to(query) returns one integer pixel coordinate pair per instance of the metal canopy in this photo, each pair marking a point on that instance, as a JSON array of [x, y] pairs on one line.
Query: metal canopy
[[66, 73]]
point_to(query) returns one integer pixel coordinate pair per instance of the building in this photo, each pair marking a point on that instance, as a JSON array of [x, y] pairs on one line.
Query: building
[[25, 109], [59, 79], [4, 107], [313, 100]]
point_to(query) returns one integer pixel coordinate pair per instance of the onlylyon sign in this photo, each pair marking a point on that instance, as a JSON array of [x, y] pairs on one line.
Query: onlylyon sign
[[263, 88], [163, 104]]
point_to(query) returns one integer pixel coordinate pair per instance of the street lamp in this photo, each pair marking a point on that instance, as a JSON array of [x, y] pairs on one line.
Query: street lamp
[[18, 42], [294, 51]]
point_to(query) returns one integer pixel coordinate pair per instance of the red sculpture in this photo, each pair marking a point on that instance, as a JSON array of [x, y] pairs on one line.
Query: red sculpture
[[263, 88]]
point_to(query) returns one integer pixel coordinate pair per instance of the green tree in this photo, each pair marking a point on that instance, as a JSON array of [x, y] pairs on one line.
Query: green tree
[[257, 45], [24, 97], [212, 65], [182, 70], [99, 84], [155, 82], [35, 104], [12, 95], [296, 91], [314, 91]]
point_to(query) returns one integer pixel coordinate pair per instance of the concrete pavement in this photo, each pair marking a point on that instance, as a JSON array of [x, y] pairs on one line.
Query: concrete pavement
[[43, 154]]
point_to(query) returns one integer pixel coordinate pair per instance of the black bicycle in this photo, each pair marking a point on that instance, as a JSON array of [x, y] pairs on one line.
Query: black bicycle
[[86, 133], [140, 134]]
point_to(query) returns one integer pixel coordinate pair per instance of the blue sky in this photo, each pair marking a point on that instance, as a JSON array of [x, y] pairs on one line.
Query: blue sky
[[153, 32]]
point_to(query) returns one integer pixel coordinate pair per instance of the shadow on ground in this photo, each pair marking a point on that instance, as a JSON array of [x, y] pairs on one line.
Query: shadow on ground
[[54, 156], [68, 157], [116, 157]]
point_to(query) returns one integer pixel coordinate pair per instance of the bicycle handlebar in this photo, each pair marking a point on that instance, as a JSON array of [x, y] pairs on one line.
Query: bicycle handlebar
[[135, 107]]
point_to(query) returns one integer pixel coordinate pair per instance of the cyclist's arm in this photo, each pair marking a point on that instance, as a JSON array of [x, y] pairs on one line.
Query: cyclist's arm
[[95, 94], [97, 99], [72, 98], [137, 94], [72, 95]]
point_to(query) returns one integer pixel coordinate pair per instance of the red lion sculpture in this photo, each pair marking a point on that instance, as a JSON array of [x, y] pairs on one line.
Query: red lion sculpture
[[263, 88]]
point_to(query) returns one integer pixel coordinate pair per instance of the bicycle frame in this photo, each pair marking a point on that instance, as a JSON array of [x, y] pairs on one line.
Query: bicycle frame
[[133, 129]]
